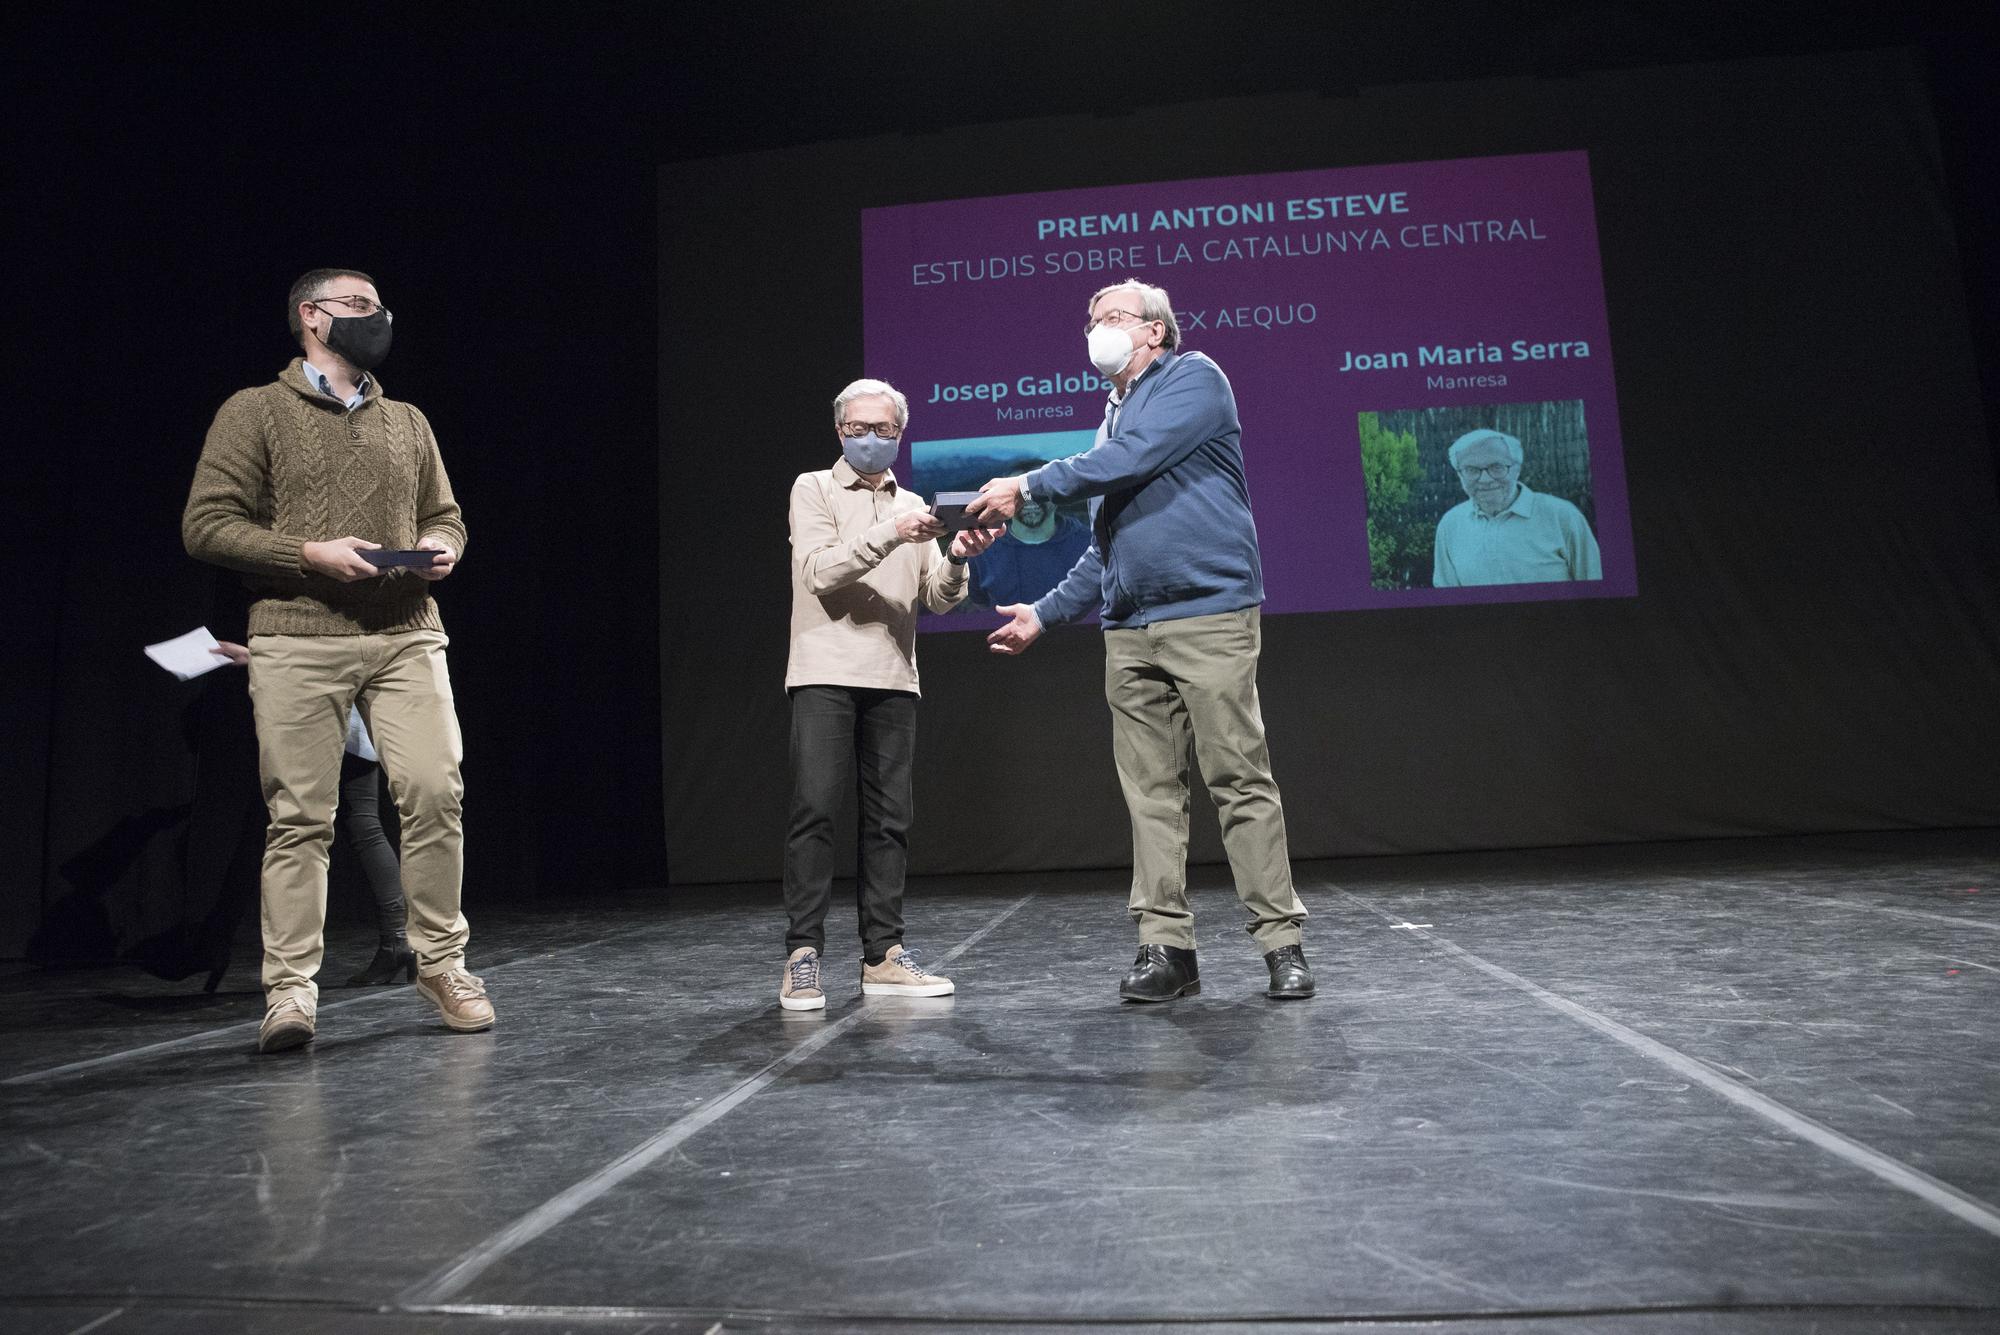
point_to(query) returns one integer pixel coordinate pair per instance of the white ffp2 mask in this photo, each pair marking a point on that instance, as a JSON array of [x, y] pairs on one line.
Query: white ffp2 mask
[[1110, 349]]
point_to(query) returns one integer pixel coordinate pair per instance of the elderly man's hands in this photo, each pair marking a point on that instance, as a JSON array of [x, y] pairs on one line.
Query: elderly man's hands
[[998, 499], [918, 526], [1017, 634], [968, 543]]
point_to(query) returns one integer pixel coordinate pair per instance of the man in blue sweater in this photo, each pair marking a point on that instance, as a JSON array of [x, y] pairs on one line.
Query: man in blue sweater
[[1173, 570]]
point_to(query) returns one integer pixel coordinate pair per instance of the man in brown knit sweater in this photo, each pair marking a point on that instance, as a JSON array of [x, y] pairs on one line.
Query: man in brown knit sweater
[[299, 482]]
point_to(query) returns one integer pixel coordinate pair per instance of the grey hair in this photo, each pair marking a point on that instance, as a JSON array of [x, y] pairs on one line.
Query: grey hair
[[862, 388], [1483, 436], [1154, 304]]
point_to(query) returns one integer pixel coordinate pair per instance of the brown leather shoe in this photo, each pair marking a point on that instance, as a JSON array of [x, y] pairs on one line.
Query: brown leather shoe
[[288, 1023], [460, 999]]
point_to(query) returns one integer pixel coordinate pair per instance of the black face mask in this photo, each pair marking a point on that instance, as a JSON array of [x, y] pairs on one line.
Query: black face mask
[[361, 340]]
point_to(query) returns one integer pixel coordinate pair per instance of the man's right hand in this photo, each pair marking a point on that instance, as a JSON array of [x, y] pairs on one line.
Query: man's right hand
[[339, 559], [999, 498], [918, 525], [1018, 634]]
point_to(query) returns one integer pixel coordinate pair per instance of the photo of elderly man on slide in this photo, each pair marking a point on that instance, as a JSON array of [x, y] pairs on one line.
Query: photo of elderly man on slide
[[1503, 532]]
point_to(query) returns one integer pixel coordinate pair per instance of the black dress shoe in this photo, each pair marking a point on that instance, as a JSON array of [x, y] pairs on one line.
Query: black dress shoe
[[390, 962], [1161, 973], [1291, 978]]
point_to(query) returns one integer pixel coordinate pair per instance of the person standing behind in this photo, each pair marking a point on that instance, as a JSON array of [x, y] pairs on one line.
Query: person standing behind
[[297, 480], [361, 821], [864, 558], [1174, 569]]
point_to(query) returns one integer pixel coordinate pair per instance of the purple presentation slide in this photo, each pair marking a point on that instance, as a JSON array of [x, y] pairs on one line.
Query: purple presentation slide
[[1419, 354]]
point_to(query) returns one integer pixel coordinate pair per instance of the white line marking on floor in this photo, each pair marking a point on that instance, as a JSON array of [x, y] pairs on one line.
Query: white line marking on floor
[[1925, 914], [93, 1325], [451, 1280], [1946, 1197], [206, 1035]]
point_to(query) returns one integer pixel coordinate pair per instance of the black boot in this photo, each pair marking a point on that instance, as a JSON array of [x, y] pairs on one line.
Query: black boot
[[1291, 978], [389, 961], [1161, 973]]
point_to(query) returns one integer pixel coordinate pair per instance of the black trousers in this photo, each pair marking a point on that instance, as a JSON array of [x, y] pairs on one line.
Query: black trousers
[[360, 819], [848, 740]]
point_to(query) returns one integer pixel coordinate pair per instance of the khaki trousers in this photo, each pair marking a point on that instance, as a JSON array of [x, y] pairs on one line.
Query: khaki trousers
[[1195, 680], [301, 687]]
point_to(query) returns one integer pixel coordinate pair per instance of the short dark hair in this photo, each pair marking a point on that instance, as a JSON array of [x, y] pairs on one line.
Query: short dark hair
[[308, 287]]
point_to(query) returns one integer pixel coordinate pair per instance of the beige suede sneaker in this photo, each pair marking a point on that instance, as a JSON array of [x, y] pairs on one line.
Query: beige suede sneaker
[[460, 999], [288, 1023], [899, 975], [801, 990]]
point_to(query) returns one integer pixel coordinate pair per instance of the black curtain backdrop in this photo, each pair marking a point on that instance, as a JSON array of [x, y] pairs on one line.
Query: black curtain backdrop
[[186, 195], [1818, 539], [170, 170]]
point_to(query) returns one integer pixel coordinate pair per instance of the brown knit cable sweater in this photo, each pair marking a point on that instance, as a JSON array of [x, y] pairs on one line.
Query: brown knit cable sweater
[[285, 465]]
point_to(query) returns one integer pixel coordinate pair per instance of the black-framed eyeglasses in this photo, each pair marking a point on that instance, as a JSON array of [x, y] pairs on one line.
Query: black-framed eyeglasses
[[1116, 320], [856, 430], [359, 305], [1473, 472]]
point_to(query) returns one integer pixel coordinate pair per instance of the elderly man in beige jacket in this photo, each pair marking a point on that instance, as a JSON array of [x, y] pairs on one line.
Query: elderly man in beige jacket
[[865, 559]]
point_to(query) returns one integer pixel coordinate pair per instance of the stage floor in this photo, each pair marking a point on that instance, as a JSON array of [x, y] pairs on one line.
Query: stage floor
[[1733, 1086]]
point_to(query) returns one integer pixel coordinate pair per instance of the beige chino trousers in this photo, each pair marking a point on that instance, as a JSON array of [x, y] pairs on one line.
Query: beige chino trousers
[[1195, 680], [301, 688]]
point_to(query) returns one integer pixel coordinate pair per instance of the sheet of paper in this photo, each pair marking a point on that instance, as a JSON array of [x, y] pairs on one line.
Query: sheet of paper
[[187, 656]]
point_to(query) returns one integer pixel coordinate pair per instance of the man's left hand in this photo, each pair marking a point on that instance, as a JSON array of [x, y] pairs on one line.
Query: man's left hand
[[1022, 629], [443, 565], [968, 543], [998, 499]]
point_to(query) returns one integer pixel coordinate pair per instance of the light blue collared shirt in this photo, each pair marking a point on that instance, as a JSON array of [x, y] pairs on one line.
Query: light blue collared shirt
[[317, 379], [1537, 539]]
